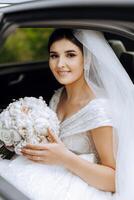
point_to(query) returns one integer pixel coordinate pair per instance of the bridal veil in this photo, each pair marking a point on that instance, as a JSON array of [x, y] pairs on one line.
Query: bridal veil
[[107, 78]]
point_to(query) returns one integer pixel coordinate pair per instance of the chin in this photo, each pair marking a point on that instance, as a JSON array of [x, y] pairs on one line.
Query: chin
[[66, 82]]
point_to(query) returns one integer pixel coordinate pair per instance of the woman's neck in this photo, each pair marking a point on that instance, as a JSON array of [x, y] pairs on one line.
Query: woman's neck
[[78, 91]]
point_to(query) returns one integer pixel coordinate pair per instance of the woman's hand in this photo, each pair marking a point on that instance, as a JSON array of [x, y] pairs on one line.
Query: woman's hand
[[53, 153]]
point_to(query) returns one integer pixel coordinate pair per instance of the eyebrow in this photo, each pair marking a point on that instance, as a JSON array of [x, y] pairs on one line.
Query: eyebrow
[[68, 51]]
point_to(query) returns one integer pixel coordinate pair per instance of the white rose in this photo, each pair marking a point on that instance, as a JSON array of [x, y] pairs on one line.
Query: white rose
[[41, 126], [16, 136], [6, 137], [19, 147]]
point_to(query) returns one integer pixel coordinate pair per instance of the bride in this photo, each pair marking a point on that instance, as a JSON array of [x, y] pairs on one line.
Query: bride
[[92, 157]]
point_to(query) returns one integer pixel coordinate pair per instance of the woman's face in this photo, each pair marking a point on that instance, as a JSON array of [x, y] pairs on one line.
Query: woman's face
[[66, 61]]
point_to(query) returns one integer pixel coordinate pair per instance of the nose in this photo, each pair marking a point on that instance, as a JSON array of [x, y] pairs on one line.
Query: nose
[[61, 62]]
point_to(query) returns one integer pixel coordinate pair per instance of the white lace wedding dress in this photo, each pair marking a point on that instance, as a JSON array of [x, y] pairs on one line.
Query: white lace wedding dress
[[51, 182]]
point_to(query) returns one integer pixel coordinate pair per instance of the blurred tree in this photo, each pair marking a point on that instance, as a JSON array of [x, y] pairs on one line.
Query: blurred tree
[[25, 44]]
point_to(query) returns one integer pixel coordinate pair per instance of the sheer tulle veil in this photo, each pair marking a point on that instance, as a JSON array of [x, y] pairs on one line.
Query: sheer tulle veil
[[107, 78]]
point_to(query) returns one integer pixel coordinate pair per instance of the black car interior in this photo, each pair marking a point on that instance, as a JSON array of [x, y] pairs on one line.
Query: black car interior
[[126, 57], [27, 79]]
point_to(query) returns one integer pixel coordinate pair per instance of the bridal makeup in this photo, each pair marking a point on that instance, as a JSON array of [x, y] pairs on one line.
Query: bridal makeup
[[66, 61]]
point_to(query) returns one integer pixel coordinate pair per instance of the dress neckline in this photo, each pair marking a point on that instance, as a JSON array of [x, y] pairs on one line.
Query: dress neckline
[[74, 114]]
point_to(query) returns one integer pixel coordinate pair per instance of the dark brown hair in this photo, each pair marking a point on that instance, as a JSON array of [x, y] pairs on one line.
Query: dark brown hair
[[62, 33]]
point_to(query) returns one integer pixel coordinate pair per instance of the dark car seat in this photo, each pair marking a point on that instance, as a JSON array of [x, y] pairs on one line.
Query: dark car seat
[[126, 57], [127, 60], [118, 47]]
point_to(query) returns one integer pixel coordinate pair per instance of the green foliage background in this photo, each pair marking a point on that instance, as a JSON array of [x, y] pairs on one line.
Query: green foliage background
[[26, 44]]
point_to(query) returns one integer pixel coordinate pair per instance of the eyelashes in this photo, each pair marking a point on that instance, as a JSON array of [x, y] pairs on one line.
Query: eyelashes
[[54, 56]]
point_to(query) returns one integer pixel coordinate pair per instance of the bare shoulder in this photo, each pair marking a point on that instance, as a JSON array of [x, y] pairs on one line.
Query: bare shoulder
[[103, 140]]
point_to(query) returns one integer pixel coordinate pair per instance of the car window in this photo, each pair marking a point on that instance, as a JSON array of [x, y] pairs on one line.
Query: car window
[[30, 44], [25, 44]]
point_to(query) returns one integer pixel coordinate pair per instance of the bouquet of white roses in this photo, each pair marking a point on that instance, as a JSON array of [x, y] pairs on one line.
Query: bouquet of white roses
[[26, 121]]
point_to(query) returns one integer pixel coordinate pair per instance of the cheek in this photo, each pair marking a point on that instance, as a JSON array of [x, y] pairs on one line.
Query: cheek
[[78, 73], [76, 61], [77, 66], [52, 65]]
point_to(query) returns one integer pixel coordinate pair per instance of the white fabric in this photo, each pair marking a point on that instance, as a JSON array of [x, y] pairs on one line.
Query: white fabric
[[40, 181], [98, 109], [75, 128], [107, 78]]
